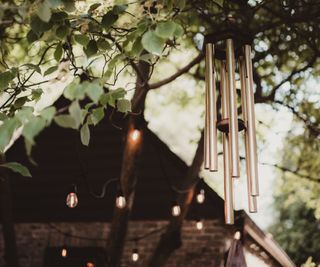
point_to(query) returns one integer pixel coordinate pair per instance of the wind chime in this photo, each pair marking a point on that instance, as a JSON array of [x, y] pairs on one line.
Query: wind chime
[[230, 59]]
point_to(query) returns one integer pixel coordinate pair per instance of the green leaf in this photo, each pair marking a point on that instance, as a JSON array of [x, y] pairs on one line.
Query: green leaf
[[20, 102], [25, 114], [178, 31], [33, 67], [136, 47], [119, 9], [152, 43], [69, 5], [44, 11], [7, 130], [65, 121], [36, 94], [82, 39], [166, 29], [58, 52], [103, 44], [62, 32], [32, 36], [180, 4], [94, 91], [219, 2], [75, 90], [76, 113], [124, 105], [38, 26], [17, 167], [97, 115], [48, 114], [91, 48], [93, 7], [50, 70], [33, 128], [85, 134], [59, 16], [54, 3], [111, 97], [5, 78], [108, 20]]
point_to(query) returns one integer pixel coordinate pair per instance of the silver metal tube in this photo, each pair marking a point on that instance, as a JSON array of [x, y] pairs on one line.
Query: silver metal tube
[[251, 128], [252, 201], [207, 122], [212, 109], [228, 181], [233, 113]]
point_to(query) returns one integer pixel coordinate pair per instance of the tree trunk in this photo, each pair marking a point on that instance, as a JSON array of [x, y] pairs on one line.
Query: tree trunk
[[128, 178]]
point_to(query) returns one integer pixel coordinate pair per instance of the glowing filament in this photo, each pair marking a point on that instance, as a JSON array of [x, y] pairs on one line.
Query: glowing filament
[[176, 210], [135, 255], [120, 202], [64, 253], [72, 200], [199, 225], [201, 196], [135, 134]]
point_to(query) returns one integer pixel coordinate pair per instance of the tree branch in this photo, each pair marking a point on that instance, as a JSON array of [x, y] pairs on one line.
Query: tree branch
[[184, 70]]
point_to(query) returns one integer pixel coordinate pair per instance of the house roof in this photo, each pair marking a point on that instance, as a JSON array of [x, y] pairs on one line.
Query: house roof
[[62, 161]]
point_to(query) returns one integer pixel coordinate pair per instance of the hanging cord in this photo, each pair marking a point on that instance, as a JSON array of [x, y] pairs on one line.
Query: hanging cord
[[134, 239], [82, 164]]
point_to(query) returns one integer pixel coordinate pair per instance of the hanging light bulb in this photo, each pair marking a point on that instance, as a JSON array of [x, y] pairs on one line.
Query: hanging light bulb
[[201, 196], [64, 252], [135, 134], [135, 255], [176, 210], [90, 264], [120, 200], [199, 224], [72, 198], [237, 235]]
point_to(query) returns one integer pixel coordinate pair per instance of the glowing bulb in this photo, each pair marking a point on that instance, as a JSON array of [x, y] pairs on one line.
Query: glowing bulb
[[201, 196], [199, 224], [72, 200], [135, 255], [135, 135], [64, 253], [237, 235], [90, 264], [120, 201], [175, 210]]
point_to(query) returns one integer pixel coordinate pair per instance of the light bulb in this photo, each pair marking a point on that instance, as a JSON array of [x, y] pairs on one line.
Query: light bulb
[[201, 196], [237, 235], [135, 255], [199, 224], [135, 134], [64, 253], [175, 210], [90, 264], [120, 201], [72, 200]]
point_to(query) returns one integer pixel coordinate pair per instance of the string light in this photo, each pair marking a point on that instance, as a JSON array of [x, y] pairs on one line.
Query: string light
[[201, 196], [199, 224], [120, 200], [64, 252], [237, 235], [176, 210], [135, 134], [72, 198], [135, 255]]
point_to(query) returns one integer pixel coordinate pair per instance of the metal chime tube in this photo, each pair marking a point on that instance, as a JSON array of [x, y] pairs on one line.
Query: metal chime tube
[[251, 129], [211, 154], [233, 113], [252, 200], [228, 181]]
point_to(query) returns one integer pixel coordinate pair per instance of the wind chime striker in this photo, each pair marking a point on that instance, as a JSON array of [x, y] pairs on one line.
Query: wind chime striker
[[231, 52]]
